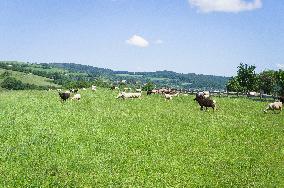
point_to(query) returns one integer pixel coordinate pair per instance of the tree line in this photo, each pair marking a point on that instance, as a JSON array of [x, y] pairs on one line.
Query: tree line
[[246, 80]]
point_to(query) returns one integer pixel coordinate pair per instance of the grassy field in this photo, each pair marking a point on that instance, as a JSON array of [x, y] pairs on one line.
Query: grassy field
[[100, 141], [29, 78]]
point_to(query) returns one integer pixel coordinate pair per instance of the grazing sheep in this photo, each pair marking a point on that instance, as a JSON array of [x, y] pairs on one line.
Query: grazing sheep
[[94, 88], [155, 91], [168, 96], [73, 90], [253, 94], [76, 97], [274, 106], [124, 95], [205, 102], [163, 91], [167, 91], [64, 96]]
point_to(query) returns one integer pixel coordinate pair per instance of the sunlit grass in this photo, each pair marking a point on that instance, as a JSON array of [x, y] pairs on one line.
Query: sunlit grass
[[101, 141]]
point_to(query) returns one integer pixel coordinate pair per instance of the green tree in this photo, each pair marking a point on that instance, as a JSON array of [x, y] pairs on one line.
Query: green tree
[[148, 86], [280, 82], [247, 77], [267, 81], [234, 85]]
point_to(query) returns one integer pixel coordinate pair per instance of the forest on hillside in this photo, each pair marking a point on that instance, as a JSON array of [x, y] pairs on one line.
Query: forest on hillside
[[77, 75], [159, 78]]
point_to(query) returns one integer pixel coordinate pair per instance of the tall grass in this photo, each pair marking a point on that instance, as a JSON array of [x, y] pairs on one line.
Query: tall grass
[[101, 141]]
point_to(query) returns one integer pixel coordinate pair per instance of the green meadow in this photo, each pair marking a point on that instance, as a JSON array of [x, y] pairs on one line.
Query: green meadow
[[101, 141], [29, 78]]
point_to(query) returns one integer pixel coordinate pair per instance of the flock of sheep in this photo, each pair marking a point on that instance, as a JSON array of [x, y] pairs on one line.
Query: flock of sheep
[[202, 98]]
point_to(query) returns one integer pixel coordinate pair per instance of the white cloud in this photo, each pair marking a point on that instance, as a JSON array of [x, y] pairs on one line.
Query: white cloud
[[138, 41], [159, 41], [280, 66], [225, 5]]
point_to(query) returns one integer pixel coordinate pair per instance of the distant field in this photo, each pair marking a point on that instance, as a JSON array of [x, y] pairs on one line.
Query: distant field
[[103, 142], [30, 78]]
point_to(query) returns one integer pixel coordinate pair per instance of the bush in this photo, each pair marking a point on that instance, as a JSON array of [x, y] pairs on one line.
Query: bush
[[148, 86], [12, 83]]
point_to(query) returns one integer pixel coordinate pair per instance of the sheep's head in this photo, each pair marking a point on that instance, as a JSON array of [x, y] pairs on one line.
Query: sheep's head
[[198, 96]]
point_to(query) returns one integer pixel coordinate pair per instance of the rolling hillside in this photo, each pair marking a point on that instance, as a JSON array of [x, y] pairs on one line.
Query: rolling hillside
[[69, 74], [30, 78], [159, 78]]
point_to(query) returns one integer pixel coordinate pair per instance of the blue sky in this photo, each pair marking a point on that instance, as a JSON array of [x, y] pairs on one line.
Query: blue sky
[[201, 36]]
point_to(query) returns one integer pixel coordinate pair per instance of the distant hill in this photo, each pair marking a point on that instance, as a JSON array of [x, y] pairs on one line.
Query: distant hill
[[160, 78], [70, 74]]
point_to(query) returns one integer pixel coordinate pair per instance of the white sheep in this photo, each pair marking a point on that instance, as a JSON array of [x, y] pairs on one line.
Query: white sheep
[[125, 95], [274, 106], [94, 88], [206, 94], [168, 97], [76, 97]]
